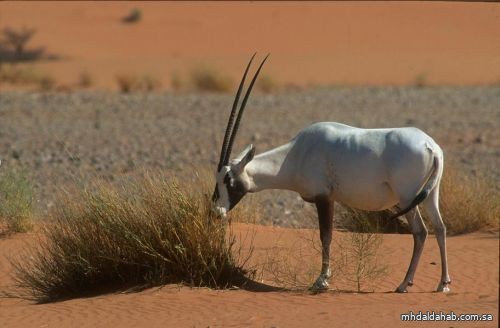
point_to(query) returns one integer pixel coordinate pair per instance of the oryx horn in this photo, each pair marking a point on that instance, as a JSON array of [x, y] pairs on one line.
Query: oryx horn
[[231, 118], [242, 109]]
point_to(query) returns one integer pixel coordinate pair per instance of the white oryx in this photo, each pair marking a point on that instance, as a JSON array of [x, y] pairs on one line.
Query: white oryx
[[367, 169]]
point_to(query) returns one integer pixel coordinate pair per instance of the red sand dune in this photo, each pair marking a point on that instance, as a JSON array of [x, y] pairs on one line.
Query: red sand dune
[[311, 43], [473, 263]]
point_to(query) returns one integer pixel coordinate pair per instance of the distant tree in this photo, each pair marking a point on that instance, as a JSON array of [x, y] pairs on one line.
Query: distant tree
[[18, 39]]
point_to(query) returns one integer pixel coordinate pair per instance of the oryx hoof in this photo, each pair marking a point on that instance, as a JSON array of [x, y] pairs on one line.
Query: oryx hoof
[[403, 288], [320, 284], [444, 287]]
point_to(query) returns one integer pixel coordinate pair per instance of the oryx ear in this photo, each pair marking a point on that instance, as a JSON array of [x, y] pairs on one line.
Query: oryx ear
[[242, 159]]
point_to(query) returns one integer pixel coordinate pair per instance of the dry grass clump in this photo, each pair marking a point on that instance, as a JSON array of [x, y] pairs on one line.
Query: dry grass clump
[[205, 78], [134, 83], [267, 84], [25, 75], [85, 80], [468, 203], [16, 202], [142, 233]]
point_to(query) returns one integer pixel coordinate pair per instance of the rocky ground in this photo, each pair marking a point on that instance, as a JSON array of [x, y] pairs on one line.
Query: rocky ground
[[62, 137]]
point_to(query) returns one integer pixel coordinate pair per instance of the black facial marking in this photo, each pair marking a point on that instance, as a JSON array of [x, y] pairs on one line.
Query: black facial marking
[[235, 189]]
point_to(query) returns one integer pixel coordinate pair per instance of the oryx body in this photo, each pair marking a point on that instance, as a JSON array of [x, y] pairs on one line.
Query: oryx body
[[367, 169]]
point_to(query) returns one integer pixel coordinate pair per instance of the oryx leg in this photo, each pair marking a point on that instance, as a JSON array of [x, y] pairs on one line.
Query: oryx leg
[[431, 207], [419, 232], [324, 207]]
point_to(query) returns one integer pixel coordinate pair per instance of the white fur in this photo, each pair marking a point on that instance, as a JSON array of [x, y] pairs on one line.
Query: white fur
[[367, 169]]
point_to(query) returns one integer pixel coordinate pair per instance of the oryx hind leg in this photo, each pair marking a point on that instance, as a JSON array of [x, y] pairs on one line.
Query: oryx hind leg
[[431, 206], [419, 232], [325, 217]]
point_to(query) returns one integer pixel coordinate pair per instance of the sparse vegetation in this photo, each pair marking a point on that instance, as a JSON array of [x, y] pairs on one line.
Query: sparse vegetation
[[468, 203], [133, 83], [16, 201], [267, 84], [85, 80], [357, 259], [205, 78], [141, 233], [17, 39], [26, 75], [420, 80], [176, 81]]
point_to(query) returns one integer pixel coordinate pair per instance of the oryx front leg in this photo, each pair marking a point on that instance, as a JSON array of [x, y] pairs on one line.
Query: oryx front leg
[[419, 232], [325, 217]]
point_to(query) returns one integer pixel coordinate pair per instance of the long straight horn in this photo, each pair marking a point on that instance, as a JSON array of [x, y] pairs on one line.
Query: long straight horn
[[229, 127], [240, 113]]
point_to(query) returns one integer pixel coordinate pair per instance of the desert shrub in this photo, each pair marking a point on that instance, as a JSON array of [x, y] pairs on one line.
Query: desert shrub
[[149, 83], [85, 80], [134, 16], [267, 84], [176, 81], [143, 232], [357, 260], [127, 82], [16, 201], [204, 78], [18, 75], [134, 83], [18, 39], [467, 203], [353, 261], [420, 81]]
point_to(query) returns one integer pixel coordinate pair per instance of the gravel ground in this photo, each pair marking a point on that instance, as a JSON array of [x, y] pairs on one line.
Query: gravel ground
[[60, 136]]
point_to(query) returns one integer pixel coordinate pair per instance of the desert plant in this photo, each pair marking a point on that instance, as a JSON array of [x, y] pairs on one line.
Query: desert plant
[[134, 16], [420, 80], [17, 75], [18, 39], [176, 81], [133, 83], [468, 203], [205, 78], [358, 260], [140, 233], [85, 79], [149, 83], [127, 82], [267, 84], [16, 201]]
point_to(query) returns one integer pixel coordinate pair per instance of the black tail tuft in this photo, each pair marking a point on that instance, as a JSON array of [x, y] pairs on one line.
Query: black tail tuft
[[420, 198]]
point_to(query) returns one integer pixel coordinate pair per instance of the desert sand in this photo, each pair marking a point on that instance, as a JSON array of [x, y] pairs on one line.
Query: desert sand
[[108, 135], [473, 261], [313, 43]]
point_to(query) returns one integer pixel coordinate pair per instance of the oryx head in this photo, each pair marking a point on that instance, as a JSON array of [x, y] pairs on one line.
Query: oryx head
[[231, 182]]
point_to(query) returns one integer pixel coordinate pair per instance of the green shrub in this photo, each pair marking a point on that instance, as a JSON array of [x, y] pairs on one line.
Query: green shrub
[[16, 201]]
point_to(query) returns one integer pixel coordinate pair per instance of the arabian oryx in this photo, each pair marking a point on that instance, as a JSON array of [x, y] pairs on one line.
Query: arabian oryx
[[366, 169]]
